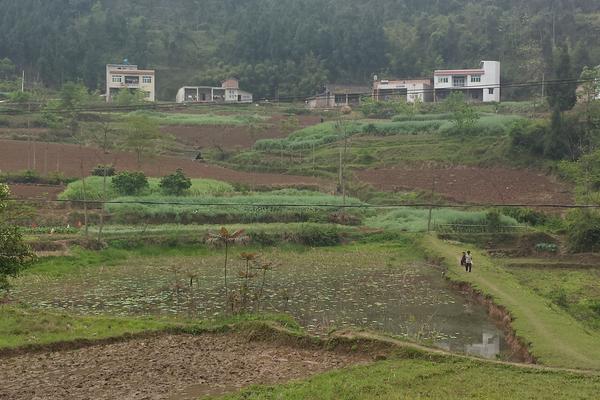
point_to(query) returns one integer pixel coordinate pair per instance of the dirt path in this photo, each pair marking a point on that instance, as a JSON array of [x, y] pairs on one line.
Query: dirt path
[[68, 159], [164, 367], [472, 184]]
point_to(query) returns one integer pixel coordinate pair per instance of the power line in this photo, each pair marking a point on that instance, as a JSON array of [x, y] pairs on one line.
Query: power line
[[285, 99], [309, 205]]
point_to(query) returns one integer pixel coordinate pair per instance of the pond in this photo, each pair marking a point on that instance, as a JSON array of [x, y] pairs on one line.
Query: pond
[[362, 287]]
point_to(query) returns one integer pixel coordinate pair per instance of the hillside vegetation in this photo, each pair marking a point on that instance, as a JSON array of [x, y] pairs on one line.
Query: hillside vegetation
[[291, 48]]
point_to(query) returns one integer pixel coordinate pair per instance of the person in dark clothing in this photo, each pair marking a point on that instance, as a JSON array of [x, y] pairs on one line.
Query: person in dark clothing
[[463, 259], [468, 261]]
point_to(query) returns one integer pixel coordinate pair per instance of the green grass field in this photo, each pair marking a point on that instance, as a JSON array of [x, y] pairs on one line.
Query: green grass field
[[422, 376], [94, 189], [204, 119], [557, 339]]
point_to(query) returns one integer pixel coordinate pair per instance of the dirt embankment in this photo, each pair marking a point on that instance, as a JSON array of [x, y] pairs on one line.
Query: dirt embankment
[[230, 137], [473, 184], [69, 159], [162, 367]]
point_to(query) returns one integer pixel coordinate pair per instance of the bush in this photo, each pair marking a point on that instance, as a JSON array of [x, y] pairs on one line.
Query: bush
[[559, 297], [175, 184], [130, 183], [546, 247], [584, 231], [526, 215], [99, 170], [317, 236]]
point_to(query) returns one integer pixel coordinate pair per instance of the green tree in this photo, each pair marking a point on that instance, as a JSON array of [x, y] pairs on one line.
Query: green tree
[[142, 136], [562, 92], [15, 255], [129, 183], [127, 98], [464, 116], [175, 184]]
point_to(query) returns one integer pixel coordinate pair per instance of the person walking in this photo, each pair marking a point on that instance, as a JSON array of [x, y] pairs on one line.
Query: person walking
[[463, 260], [468, 261]]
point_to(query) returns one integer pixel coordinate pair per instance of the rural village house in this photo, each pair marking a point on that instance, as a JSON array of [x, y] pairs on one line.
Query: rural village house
[[129, 77], [228, 92]]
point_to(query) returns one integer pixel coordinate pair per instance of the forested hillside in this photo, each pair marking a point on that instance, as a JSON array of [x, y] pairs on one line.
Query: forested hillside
[[291, 47]]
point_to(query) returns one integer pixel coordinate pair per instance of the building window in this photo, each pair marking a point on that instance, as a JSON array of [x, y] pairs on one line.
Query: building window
[[147, 79], [117, 79], [476, 78], [491, 90], [443, 79], [146, 95]]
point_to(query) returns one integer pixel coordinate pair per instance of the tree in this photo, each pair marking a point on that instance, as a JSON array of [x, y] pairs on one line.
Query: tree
[[15, 255], [464, 115], [130, 183], [175, 184], [562, 93], [143, 137], [127, 98]]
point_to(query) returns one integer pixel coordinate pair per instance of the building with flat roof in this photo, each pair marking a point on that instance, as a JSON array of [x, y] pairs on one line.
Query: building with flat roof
[[228, 92], [482, 84], [128, 77], [409, 90], [339, 95]]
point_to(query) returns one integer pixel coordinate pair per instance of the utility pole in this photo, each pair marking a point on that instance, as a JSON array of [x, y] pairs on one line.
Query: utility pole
[[23, 82], [431, 205]]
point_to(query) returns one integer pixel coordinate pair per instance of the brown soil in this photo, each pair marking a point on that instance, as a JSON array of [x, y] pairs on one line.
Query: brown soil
[[231, 137], [473, 184], [162, 367], [68, 159], [35, 191]]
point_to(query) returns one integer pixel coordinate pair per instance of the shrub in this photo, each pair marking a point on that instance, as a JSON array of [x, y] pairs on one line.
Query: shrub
[[526, 215], [175, 184], [317, 236], [130, 183], [584, 231], [559, 297], [100, 169], [546, 247]]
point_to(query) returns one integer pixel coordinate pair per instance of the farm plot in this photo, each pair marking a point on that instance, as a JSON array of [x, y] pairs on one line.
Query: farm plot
[[163, 367], [230, 137], [375, 287], [69, 159], [472, 184]]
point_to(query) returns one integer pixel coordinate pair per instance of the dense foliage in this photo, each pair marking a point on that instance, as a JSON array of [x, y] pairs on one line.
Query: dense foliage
[[175, 184], [130, 183], [290, 47]]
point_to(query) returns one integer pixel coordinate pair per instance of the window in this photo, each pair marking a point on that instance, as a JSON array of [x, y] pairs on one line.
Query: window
[[491, 90], [443, 79], [146, 95], [147, 79], [476, 78], [117, 79]]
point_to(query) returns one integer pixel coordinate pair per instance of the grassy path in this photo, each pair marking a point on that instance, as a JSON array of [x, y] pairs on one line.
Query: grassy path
[[555, 337]]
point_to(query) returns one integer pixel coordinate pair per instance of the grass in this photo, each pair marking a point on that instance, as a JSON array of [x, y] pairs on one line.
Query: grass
[[422, 376], [21, 326], [416, 220], [202, 119], [577, 291], [94, 184], [304, 206], [557, 339]]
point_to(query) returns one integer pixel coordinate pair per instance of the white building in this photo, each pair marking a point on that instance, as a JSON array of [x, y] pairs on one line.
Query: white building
[[481, 84], [129, 77], [410, 90], [228, 92]]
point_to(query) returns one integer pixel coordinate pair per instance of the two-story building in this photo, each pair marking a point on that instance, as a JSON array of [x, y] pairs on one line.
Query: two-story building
[[482, 84], [129, 77], [228, 92], [409, 90]]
